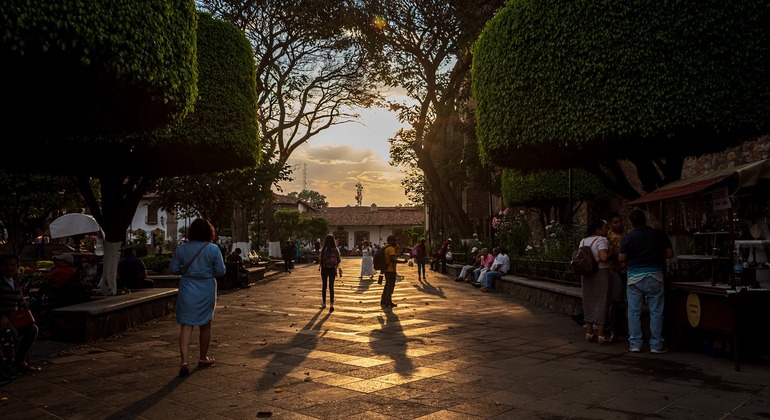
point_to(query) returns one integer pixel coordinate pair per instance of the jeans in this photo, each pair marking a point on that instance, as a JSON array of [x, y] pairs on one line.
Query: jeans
[[420, 267], [476, 274], [387, 290], [635, 293], [328, 274], [490, 277]]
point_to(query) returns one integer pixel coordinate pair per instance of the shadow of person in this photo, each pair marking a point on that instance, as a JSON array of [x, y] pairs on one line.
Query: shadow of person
[[389, 340], [148, 402], [282, 362], [426, 287]]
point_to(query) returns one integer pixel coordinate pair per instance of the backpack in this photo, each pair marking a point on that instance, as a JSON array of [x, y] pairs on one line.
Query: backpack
[[379, 261], [330, 259], [583, 261]]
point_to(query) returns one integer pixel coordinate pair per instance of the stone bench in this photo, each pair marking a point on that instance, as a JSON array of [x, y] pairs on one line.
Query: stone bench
[[105, 316], [453, 270]]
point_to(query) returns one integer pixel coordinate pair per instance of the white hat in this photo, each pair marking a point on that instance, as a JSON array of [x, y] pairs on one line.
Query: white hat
[[474, 249], [66, 257]]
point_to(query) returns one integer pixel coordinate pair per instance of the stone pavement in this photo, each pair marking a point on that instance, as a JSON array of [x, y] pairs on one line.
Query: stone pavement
[[446, 352]]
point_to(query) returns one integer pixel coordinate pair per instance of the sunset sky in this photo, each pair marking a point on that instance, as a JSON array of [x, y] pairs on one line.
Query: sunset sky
[[345, 154]]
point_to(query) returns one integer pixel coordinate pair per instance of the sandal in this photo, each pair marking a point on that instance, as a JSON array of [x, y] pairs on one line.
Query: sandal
[[209, 361], [590, 337], [604, 340], [184, 370]]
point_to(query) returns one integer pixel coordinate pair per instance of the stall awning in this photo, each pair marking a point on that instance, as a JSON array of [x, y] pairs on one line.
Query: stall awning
[[748, 175]]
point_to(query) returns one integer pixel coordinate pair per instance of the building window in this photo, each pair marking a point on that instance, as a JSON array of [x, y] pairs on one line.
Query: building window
[[152, 215], [361, 236]]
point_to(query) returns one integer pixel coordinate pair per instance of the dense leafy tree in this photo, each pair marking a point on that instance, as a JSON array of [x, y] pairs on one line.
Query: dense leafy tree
[[126, 57], [425, 49], [584, 83], [312, 197], [310, 73], [29, 200], [549, 192]]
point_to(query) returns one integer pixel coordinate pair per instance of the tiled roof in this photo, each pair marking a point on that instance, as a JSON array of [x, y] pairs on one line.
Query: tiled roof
[[373, 216]]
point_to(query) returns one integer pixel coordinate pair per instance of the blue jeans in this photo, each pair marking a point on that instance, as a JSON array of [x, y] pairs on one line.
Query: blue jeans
[[490, 277], [420, 267], [635, 293]]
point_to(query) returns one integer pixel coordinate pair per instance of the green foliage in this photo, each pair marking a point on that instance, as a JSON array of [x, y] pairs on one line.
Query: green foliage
[[290, 224], [121, 67], [222, 132], [28, 200], [317, 227], [157, 262], [543, 187], [563, 83], [314, 198], [512, 231], [558, 243]]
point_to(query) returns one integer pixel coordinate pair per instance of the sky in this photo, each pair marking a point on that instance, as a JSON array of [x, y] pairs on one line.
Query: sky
[[333, 161]]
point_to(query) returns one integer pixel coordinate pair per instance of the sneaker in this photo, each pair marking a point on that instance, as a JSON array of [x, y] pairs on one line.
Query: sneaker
[[634, 350], [458, 279], [659, 351], [323, 305]]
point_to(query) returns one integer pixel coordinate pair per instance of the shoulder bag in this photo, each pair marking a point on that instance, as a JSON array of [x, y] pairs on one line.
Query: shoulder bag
[[186, 266], [21, 318]]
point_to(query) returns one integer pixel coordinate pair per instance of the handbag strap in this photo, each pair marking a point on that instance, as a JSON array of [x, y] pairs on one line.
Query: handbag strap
[[23, 301], [186, 266]]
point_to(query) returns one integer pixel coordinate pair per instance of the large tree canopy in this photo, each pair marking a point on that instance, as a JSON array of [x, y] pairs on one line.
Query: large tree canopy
[[80, 74], [128, 160], [564, 84]]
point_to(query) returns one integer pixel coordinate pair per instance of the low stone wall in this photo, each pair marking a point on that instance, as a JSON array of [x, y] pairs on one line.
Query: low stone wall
[[551, 296]]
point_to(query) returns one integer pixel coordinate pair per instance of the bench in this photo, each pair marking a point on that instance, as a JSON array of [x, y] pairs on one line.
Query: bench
[[105, 316]]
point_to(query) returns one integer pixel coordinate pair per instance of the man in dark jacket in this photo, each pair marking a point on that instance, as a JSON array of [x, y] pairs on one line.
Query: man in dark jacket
[[287, 253]]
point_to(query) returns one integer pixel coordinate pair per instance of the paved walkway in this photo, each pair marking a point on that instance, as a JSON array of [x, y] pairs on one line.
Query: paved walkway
[[446, 352]]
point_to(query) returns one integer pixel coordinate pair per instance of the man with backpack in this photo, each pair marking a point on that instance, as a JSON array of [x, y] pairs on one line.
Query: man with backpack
[[391, 258]]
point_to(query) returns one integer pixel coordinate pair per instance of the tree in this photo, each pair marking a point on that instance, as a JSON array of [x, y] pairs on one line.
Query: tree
[[29, 200], [314, 198], [425, 49], [548, 192], [310, 73], [563, 84], [143, 54]]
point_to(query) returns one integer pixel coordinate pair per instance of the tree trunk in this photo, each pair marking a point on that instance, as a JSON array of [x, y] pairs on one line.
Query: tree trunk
[[444, 198], [240, 229], [120, 197]]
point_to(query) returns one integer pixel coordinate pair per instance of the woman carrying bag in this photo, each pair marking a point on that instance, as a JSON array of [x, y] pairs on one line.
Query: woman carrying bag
[[200, 262]]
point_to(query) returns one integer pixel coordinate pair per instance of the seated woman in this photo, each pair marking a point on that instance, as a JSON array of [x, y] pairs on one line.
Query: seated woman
[[14, 343], [61, 284]]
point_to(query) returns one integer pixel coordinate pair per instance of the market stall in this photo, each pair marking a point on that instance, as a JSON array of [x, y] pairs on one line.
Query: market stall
[[719, 279]]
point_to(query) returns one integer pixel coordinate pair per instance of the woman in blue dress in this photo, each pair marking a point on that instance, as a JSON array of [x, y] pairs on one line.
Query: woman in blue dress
[[199, 262]]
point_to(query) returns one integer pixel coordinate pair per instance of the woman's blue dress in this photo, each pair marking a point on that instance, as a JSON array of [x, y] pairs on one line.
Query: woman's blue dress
[[197, 296]]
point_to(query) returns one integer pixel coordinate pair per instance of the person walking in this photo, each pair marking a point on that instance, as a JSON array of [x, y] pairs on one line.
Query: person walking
[[287, 253], [367, 261], [596, 286], [330, 259], [645, 251], [420, 255], [391, 256], [199, 262]]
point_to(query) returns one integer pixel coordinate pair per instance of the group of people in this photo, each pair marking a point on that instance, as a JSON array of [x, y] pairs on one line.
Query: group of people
[[486, 268], [631, 268]]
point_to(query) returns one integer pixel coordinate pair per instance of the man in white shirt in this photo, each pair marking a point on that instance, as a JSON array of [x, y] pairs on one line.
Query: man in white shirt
[[500, 267]]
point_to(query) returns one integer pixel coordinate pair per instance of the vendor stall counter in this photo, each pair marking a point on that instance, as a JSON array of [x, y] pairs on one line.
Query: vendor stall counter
[[719, 280]]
